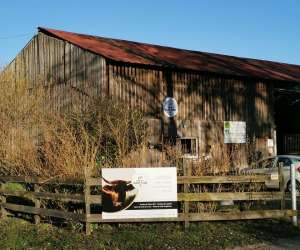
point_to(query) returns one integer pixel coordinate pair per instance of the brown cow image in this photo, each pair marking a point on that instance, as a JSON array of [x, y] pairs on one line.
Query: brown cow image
[[117, 195]]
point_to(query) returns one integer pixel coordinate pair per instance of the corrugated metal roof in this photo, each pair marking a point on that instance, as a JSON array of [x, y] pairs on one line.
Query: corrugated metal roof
[[161, 56]]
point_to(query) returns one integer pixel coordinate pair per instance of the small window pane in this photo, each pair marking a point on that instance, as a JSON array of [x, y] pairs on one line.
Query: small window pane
[[296, 160], [189, 147]]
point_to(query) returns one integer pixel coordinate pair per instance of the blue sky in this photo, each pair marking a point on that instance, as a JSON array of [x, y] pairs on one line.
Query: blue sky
[[263, 29]]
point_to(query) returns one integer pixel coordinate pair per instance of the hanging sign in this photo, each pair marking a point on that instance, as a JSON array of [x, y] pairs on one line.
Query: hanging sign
[[170, 107], [234, 132], [139, 192]]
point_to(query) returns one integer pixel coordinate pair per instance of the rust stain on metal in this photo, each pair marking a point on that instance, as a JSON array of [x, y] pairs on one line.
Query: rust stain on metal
[[161, 56]]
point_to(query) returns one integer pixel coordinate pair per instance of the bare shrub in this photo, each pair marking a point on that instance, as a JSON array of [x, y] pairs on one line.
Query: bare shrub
[[38, 141], [124, 132], [19, 113], [65, 150]]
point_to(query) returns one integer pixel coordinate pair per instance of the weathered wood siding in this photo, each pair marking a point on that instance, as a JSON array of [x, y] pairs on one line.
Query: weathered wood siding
[[204, 102], [72, 74], [75, 75]]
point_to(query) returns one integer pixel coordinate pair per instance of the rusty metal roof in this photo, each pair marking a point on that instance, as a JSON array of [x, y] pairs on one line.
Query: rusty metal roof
[[161, 56]]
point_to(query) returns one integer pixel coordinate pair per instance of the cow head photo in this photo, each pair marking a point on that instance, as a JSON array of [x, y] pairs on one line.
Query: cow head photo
[[117, 195]]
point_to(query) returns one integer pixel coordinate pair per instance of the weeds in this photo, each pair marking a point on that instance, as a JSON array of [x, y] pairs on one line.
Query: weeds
[[39, 141]]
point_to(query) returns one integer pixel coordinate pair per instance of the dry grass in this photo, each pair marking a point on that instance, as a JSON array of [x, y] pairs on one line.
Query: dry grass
[[38, 142], [221, 160], [19, 114], [124, 132]]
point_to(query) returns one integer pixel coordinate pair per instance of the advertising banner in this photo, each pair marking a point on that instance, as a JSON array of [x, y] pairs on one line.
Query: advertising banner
[[139, 193]]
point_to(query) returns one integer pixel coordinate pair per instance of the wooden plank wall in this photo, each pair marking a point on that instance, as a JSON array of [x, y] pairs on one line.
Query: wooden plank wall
[[201, 97], [204, 101], [291, 143], [76, 74], [73, 75]]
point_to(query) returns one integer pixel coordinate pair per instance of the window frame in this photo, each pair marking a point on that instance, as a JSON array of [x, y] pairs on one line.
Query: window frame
[[187, 155]]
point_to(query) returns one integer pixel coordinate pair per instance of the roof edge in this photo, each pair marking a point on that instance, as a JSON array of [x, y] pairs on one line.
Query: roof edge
[[48, 31], [136, 53]]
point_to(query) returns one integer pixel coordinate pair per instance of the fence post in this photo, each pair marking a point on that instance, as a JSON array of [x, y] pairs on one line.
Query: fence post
[[87, 193], [37, 204], [281, 185], [186, 187], [3, 201], [294, 195]]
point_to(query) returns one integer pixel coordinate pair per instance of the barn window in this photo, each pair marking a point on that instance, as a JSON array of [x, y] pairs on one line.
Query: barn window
[[189, 147]]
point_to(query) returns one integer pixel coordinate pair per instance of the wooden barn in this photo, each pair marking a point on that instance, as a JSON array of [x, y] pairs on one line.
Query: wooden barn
[[198, 100]]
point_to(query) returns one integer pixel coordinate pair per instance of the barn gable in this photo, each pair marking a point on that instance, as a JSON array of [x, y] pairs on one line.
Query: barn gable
[[73, 74]]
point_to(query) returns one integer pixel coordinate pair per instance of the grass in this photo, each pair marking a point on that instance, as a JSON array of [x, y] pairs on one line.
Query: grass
[[13, 186], [20, 234]]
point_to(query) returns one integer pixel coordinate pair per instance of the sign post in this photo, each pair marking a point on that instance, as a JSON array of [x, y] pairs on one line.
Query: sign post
[[294, 195]]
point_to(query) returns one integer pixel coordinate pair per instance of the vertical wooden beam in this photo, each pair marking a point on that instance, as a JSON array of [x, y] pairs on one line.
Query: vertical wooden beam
[[281, 184], [186, 172], [87, 193], [3, 201], [37, 204]]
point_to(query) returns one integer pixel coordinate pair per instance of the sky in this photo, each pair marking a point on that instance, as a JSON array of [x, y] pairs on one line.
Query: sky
[[262, 29]]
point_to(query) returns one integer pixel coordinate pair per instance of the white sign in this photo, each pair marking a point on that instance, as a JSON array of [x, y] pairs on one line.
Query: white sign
[[274, 176], [234, 132], [170, 107], [270, 143], [139, 193]]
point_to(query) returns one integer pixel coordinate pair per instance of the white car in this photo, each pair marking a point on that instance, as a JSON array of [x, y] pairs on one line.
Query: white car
[[270, 166]]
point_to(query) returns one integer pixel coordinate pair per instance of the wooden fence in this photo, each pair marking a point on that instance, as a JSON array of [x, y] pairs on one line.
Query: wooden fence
[[87, 196]]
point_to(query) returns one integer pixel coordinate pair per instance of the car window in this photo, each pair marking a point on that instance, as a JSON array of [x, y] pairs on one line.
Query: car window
[[286, 161], [267, 163], [296, 160]]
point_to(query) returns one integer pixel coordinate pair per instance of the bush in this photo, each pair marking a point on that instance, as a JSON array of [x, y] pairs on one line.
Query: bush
[[35, 140]]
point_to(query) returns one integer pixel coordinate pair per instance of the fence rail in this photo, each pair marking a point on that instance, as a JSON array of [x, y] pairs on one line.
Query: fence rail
[[216, 216], [37, 180], [86, 198], [44, 195], [205, 179]]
